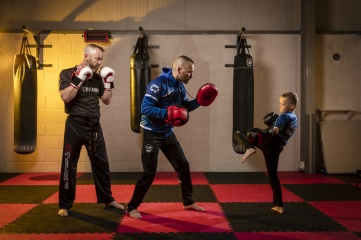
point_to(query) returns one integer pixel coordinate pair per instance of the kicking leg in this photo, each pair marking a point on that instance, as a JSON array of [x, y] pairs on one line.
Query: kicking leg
[[249, 152], [242, 140]]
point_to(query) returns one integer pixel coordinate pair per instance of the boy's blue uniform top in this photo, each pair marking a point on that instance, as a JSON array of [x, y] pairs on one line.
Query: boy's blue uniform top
[[287, 125], [162, 92]]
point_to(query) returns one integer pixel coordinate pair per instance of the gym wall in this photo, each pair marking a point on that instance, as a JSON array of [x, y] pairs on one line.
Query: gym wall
[[177, 27]]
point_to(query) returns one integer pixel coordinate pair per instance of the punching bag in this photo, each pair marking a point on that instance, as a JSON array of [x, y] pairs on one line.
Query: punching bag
[[243, 91], [25, 100], [140, 76]]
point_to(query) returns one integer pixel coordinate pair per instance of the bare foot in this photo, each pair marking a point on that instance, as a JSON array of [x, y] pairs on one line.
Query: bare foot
[[278, 209], [113, 204], [135, 214], [63, 213], [194, 207], [249, 152]]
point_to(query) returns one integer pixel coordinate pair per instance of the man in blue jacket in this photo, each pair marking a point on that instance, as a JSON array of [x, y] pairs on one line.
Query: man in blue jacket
[[164, 106]]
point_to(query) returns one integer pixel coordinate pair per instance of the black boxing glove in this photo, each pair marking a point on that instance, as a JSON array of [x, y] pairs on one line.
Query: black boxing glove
[[270, 119]]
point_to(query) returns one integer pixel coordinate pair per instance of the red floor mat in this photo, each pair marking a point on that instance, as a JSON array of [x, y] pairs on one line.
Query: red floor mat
[[171, 217], [35, 179], [172, 178], [250, 193], [59, 236], [296, 235], [10, 212], [347, 213]]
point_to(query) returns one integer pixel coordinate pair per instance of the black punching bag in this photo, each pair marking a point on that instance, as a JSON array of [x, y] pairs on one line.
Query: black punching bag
[[25, 100], [243, 92], [140, 76]]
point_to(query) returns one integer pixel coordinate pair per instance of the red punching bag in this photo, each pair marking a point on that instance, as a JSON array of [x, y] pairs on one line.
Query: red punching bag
[[25, 100]]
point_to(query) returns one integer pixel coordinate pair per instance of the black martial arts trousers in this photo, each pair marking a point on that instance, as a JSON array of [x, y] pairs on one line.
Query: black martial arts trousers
[[80, 131], [271, 150], [151, 144]]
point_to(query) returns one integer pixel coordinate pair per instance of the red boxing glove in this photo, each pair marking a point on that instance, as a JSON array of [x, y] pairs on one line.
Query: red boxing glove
[[177, 116], [207, 94]]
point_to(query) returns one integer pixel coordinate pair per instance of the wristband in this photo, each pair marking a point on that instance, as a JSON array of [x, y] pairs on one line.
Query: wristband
[[76, 82], [109, 86]]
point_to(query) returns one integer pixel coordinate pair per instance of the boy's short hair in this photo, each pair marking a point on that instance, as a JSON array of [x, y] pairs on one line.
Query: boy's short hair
[[292, 97]]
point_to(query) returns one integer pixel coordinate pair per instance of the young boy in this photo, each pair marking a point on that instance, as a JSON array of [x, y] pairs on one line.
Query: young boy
[[271, 141]]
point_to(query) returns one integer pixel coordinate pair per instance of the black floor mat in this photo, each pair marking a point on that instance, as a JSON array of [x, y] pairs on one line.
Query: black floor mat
[[83, 218], [325, 192], [259, 217], [6, 176], [172, 193], [26, 194]]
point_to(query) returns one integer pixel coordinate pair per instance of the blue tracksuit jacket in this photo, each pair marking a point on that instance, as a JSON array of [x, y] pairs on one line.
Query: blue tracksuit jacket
[[162, 92]]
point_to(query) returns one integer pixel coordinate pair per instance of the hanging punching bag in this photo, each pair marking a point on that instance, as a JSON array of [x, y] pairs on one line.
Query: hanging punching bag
[[25, 100], [243, 92], [140, 76]]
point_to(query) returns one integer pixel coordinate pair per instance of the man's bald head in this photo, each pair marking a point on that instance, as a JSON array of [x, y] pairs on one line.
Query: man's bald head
[[181, 61], [91, 48], [182, 69]]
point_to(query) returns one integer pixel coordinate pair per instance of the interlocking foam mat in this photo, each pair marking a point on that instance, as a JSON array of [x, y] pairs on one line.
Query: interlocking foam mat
[[317, 206]]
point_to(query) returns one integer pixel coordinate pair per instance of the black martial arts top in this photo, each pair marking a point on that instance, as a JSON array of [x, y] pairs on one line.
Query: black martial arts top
[[86, 101]]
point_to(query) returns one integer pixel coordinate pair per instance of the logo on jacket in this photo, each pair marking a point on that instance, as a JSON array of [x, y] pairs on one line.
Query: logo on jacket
[[154, 88], [148, 148]]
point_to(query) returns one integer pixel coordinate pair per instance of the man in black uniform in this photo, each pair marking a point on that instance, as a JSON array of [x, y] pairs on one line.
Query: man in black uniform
[[80, 89]]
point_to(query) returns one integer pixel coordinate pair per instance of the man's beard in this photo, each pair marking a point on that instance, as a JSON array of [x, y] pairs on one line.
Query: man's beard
[[94, 68], [183, 79]]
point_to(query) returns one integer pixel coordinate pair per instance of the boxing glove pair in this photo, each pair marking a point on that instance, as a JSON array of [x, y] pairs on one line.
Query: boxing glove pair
[[84, 73], [179, 115]]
